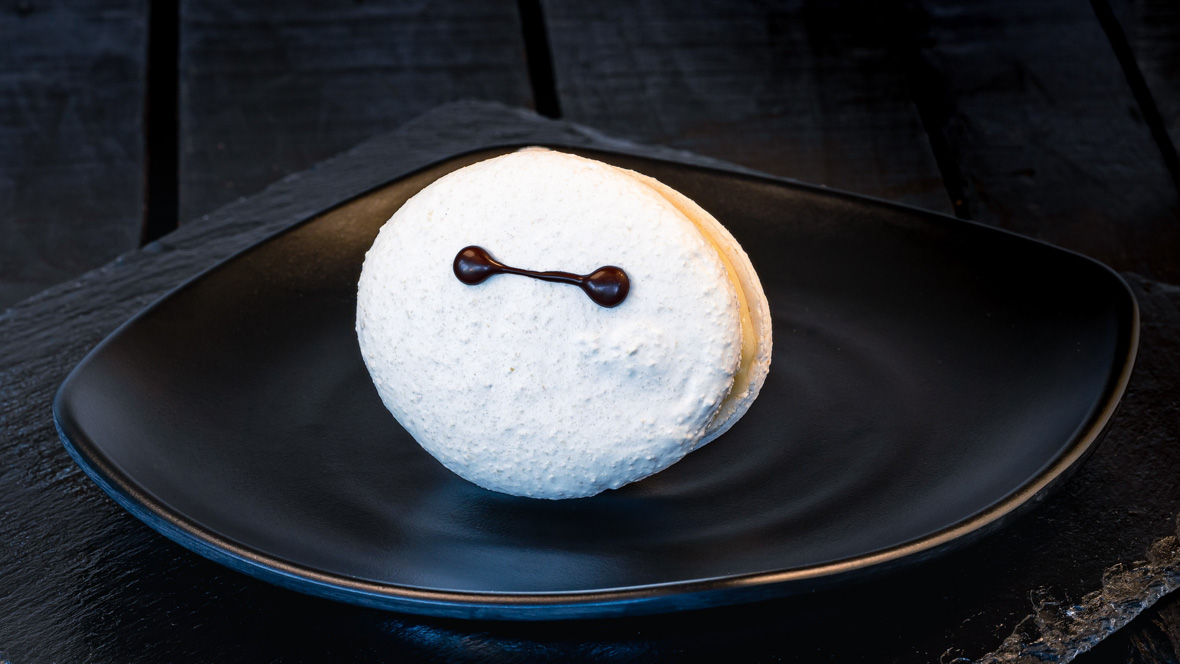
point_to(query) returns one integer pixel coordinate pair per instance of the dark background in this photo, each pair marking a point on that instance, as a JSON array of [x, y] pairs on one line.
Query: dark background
[[121, 120], [1059, 118]]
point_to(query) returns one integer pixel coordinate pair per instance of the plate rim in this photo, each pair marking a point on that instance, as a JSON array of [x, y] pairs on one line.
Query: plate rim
[[598, 603]]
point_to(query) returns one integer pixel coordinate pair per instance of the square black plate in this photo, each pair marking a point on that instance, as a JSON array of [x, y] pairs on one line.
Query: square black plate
[[930, 378]]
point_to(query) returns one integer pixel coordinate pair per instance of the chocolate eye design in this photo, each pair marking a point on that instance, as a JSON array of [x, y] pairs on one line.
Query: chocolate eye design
[[607, 286]]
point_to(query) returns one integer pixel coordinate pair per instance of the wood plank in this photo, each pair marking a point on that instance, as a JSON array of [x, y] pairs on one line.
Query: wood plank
[[1152, 32], [1037, 117], [71, 138], [809, 90], [271, 88]]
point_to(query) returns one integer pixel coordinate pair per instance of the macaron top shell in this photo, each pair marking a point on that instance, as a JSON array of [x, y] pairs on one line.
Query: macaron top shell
[[528, 387]]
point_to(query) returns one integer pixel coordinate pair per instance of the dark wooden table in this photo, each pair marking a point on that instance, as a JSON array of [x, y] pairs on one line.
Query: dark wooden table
[[121, 121]]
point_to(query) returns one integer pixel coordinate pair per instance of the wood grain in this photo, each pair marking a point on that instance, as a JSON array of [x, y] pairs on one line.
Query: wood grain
[[809, 90], [1043, 130], [71, 138], [1152, 30], [269, 88]]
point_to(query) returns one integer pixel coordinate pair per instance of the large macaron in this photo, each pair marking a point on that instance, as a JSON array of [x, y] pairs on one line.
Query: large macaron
[[530, 387]]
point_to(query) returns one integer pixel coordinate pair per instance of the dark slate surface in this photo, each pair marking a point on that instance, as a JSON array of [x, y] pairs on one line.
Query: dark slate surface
[[1042, 131], [269, 88], [814, 89], [1154, 638], [71, 145], [80, 580]]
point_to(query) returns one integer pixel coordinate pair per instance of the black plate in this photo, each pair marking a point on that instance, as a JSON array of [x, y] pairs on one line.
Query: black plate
[[930, 377]]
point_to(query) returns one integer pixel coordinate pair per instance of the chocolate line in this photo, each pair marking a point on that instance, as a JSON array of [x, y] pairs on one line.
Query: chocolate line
[[607, 286]]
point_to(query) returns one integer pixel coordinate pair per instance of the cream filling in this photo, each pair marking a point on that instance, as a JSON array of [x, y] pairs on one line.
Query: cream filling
[[749, 353]]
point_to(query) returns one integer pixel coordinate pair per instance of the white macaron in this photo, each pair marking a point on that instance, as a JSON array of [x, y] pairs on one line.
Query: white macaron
[[530, 387]]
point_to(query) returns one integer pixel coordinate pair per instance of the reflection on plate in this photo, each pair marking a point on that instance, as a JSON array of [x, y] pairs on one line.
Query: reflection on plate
[[930, 377]]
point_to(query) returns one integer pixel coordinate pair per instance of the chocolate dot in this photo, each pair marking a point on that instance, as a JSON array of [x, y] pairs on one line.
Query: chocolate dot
[[473, 265], [607, 286]]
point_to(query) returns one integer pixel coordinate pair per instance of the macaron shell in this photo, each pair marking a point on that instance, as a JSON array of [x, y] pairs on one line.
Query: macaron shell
[[528, 387], [756, 321]]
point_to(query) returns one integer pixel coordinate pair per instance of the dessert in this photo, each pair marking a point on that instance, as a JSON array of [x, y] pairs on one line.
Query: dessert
[[551, 326]]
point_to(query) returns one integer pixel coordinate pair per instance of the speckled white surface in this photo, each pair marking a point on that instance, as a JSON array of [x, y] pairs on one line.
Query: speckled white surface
[[528, 387], [756, 325]]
